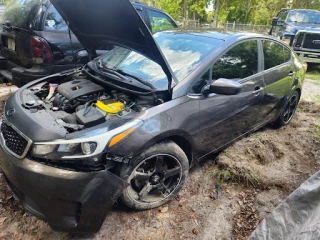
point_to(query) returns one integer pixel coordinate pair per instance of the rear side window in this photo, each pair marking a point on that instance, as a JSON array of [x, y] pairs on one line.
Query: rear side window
[[238, 63], [160, 21], [21, 13], [54, 21], [274, 54]]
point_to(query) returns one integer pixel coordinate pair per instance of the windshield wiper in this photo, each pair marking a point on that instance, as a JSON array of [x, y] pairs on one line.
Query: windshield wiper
[[110, 70], [122, 75], [136, 78]]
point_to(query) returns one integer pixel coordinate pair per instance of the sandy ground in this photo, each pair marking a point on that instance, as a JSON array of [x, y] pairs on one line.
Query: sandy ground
[[281, 159]]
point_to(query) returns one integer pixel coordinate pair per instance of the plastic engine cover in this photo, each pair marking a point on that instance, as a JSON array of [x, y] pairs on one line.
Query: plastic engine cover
[[77, 88], [89, 117]]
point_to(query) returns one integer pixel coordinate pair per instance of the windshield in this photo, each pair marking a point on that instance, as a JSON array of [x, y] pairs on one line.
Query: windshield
[[304, 17], [184, 53]]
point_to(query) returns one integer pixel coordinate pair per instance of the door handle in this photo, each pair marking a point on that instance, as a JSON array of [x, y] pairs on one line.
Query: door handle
[[291, 74], [257, 91]]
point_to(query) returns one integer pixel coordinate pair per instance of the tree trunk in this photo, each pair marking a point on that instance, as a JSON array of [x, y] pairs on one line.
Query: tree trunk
[[216, 12], [248, 8], [185, 9]]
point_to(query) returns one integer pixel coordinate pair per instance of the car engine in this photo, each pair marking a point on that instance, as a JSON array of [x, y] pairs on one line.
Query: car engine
[[74, 93], [80, 103]]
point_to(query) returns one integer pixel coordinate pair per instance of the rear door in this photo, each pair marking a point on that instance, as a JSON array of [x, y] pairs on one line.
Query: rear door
[[278, 74], [224, 118]]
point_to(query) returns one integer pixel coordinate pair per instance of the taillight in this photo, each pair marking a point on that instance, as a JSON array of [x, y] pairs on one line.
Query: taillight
[[40, 51]]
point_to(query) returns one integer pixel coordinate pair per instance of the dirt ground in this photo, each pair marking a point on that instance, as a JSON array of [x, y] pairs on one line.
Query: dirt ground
[[225, 196]]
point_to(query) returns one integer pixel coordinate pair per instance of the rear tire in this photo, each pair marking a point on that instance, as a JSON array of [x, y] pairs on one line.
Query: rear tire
[[155, 177], [287, 114]]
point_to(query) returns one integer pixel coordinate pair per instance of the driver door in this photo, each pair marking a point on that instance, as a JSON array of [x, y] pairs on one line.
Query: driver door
[[224, 118]]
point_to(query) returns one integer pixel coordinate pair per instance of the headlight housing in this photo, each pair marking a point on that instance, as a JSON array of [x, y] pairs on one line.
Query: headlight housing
[[90, 144], [85, 148]]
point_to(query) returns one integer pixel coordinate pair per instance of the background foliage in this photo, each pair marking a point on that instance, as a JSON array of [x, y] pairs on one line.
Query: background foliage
[[245, 11]]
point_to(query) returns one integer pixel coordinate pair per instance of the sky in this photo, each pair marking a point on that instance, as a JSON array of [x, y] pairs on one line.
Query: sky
[[210, 7]]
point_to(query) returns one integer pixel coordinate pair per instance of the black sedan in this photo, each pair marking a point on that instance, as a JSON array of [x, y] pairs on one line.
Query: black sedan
[[131, 123]]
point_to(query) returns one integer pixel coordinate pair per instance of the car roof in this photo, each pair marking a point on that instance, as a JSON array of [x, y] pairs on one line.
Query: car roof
[[220, 35], [304, 10]]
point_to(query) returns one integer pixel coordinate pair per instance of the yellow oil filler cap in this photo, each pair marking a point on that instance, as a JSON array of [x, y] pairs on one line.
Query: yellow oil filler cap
[[110, 108]]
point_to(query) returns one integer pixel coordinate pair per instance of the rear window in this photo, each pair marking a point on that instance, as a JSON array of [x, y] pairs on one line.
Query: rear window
[[21, 13], [54, 21]]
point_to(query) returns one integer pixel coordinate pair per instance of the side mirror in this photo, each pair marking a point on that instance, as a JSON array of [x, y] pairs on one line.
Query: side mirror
[[82, 57], [275, 21], [223, 86]]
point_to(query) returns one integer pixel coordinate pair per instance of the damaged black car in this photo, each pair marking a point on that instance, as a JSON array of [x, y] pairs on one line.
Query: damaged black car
[[129, 125]]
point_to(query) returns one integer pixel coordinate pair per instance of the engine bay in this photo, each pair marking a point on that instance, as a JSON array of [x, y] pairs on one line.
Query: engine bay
[[80, 103]]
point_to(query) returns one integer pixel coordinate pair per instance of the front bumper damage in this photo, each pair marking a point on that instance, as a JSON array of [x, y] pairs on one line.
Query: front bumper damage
[[68, 200]]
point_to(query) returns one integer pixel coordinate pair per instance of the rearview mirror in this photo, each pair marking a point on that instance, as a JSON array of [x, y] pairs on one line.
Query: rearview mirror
[[223, 86]]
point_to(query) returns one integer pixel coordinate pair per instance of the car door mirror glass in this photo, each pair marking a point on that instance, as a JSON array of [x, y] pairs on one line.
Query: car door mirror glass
[[223, 86]]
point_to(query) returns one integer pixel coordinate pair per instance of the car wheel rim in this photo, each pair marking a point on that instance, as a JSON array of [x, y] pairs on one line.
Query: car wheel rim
[[155, 179], [290, 109]]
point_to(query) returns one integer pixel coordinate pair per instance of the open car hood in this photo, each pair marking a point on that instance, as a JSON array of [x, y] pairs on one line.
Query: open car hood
[[101, 22]]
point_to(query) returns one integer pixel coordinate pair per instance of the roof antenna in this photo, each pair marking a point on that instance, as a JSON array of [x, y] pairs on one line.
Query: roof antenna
[[74, 57]]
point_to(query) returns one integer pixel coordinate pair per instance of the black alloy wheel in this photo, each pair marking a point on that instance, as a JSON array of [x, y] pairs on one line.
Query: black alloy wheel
[[155, 177], [289, 110]]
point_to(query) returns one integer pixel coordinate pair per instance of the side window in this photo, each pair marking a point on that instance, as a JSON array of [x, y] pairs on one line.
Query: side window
[[160, 21], [274, 54], [238, 63], [200, 83], [54, 21], [283, 16]]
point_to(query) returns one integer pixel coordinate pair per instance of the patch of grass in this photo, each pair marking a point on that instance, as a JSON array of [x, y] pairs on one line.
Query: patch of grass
[[313, 72], [236, 174], [317, 99], [315, 130], [313, 76]]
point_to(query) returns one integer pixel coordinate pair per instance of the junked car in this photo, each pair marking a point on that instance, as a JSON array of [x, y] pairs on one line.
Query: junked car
[[130, 124], [36, 41]]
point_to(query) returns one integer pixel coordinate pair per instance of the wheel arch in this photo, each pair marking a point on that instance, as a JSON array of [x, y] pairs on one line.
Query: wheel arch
[[299, 92], [180, 138], [184, 144]]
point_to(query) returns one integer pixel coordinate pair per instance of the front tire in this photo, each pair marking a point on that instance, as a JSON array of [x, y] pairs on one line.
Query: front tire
[[155, 177], [289, 110]]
